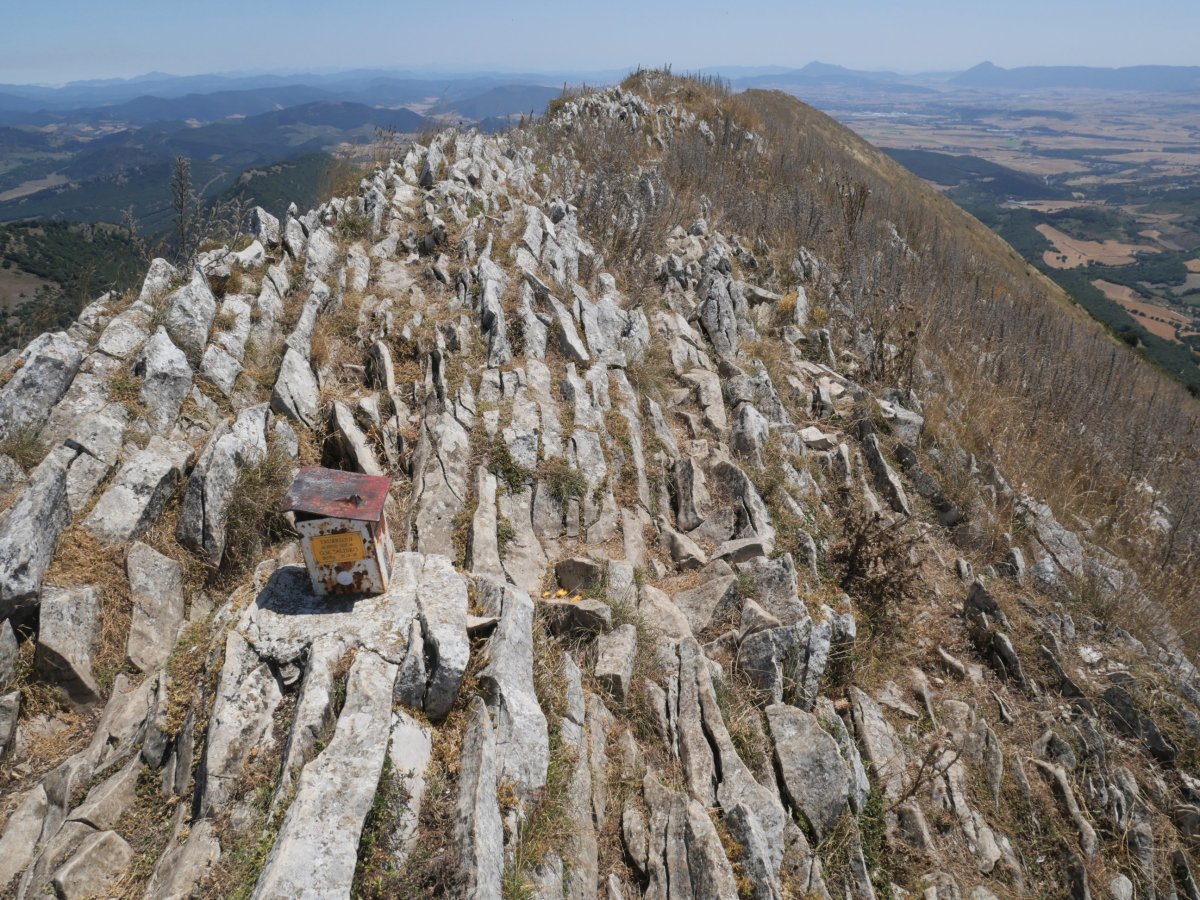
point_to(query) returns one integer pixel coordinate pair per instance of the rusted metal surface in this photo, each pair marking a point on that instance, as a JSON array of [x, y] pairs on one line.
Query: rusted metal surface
[[344, 556], [339, 495], [343, 532]]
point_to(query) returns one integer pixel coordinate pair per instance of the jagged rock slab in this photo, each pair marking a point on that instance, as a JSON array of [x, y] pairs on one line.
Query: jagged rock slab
[[814, 776], [166, 380], [247, 695], [68, 626], [316, 851], [478, 831], [440, 482], [522, 742], [287, 616], [29, 533], [615, 654], [138, 493], [296, 393], [212, 483], [156, 585], [189, 315], [410, 750], [442, 605], [45, 370], [98, 865]]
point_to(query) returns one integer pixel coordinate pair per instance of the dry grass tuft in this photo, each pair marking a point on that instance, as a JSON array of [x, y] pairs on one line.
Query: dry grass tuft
[[81, 560], [24, 447], [254, 520]]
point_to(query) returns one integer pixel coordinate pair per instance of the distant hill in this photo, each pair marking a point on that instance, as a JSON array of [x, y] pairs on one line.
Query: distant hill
[[507, 100], [824, 74], [1131, 78], [132, 167]]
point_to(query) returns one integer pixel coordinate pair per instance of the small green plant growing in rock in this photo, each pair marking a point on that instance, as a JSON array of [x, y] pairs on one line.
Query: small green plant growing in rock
[[504, 534], [564, 482], [510, 472]]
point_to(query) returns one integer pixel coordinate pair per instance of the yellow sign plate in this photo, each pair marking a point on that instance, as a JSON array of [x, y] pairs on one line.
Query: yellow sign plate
[[331, 549]]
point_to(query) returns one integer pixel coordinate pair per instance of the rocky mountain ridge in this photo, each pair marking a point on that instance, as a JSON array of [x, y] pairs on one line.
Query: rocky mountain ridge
[[683, 609]]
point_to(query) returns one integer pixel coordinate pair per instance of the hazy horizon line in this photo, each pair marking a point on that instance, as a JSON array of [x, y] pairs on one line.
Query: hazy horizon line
[[453, 71]]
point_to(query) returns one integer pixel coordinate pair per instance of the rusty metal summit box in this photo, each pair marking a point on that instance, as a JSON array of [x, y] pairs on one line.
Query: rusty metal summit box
[[343, 531]]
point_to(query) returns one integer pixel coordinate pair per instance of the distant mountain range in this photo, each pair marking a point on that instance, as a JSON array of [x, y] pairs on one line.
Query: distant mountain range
[[381, 86], [86, 150], [1131, 78]]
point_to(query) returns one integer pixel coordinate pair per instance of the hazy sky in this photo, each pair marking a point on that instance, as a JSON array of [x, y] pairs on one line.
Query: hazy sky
[[60, 40]]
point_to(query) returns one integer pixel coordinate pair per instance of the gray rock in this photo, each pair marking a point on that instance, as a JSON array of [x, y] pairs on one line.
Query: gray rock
[[723, 313], [68, 626], [28, 535], [615, 655], [138, 493], [483, 551], [320, 255], [221, 368], [814, 777], [45, 370], [578, 573], [166, 380], [247, 694], [352, 444], [442, 605], [1061, 783], [755, 619], [294, 237], [565, 336], [749, 433], [584, 618], [95, 438], [296, 394], [158, 280], [655, 606], [184, 863], [774, 586], [410, 750], [10, 711], [211, 485], [522, 742], [684, 551], [734, 552], [478, 831], [314, 708], [316, 852], [859, 783], [189, 315], [493, 283], [11, 474], [708, 866], [714, 600], [691, 494], [156, 585], [886, 479], [879, 742], [264, 226], [8, 653], [19, 841], [99, 863], [411, 680], [1120, 888], [753, 516], [441, 467]]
